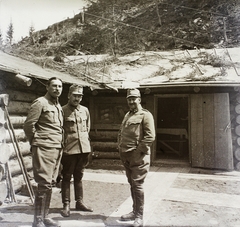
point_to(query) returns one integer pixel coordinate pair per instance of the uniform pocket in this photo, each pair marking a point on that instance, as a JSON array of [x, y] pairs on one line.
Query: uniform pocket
[[70, 124], [83, 124], [134, 126], [49, 114]]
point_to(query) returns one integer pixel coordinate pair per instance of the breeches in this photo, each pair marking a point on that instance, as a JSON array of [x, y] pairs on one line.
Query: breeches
[[46, 163], [137, 167], [73, 165]]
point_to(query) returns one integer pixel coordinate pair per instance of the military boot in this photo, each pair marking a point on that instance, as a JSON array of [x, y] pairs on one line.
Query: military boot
[[128, 217], [49, 222], [39, 201], [80, 206], [65, 212], [66, 199], [139, 206]]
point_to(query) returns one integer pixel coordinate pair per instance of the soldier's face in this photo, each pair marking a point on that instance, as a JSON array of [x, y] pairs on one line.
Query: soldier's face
[[133, 102], [55, 88], [74, 99]]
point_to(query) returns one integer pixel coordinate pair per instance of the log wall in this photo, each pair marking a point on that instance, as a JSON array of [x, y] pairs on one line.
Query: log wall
[[235, 127], [20, 99], [18, 109], [107, 114]]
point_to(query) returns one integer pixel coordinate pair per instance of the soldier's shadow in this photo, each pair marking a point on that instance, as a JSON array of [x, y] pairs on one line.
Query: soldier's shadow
[[89, 219], [76, 215], [17, 208]]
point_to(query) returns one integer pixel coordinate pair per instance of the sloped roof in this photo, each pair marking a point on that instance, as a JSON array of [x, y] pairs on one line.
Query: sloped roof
[[165, 68], [200, 67], [175, 68], [18, 65]]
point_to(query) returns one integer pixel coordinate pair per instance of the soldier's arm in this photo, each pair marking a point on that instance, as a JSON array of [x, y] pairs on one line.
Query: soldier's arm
[[148, 133], [32, 118], [88, 120]]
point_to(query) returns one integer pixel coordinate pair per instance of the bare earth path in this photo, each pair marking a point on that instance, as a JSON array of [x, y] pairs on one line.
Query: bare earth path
[[174, 197]]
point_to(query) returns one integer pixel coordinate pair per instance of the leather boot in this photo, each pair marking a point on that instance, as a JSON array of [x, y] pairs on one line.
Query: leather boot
[[128, 217], [134, 200], [66, 199], [40, 197], [139, 200], [49, 222], [66, 210], [80, 206]]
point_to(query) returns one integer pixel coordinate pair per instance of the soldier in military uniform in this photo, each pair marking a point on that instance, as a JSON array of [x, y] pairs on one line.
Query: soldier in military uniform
[[76, 150], [136, 135], [43, 128]]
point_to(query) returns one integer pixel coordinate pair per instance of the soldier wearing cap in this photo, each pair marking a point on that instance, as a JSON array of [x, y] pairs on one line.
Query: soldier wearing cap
[[76, 150], [136, 135]]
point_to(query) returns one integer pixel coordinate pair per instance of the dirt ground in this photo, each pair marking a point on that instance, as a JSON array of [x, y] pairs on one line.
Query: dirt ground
[[190, 199], [103, 197]]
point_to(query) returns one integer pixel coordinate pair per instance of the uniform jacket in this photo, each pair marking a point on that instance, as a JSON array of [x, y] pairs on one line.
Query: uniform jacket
[[76, 126], [43, 126], [137, 131]]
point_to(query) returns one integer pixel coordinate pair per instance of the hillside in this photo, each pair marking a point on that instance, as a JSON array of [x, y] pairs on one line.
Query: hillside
[[115, 28], [129, 26]]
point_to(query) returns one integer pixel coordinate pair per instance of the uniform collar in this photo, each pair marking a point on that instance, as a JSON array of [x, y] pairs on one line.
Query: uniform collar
[[139, 107], [51, 99], [73, 107]]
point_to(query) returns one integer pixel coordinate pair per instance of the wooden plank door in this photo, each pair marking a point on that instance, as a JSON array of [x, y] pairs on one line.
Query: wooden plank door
[[210, 140]]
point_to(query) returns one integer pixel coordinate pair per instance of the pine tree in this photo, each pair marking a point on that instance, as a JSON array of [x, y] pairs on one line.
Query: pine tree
[[31, 30], [10, 33]]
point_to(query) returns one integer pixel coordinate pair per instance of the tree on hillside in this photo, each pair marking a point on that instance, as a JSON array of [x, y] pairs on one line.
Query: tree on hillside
[[31, 30], [10, 33]]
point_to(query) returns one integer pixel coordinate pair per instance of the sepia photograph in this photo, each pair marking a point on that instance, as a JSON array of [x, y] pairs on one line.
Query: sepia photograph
[[119, 113]]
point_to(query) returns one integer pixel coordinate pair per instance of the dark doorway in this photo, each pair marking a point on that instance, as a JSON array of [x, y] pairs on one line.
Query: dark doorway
[[172, 128]]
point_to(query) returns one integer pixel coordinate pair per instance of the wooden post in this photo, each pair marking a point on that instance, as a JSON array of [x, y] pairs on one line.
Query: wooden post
[[4, 99]]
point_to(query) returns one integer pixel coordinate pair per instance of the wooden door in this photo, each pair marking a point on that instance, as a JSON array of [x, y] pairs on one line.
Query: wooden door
[[211, 143]]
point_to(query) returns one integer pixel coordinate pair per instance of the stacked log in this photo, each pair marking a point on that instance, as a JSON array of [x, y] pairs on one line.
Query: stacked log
[[18, 107], [235, 125], [104, 144]]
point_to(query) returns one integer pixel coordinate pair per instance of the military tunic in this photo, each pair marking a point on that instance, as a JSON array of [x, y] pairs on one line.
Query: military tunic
[[76, 127], [43, 128], [137, 131], [76, 151], [136, 135]]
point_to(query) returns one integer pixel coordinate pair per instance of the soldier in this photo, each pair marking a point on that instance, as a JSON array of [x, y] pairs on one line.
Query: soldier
[[77, 149], [136, 135], [43, 128]]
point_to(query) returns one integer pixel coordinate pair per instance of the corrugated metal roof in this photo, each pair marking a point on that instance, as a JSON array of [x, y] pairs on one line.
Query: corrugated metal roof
[[18, 65]]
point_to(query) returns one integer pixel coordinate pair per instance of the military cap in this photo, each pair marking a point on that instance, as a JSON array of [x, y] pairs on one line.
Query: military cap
[[76, 89], [133, 92]]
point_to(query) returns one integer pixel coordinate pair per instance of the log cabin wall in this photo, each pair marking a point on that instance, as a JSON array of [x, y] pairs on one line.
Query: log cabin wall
[[235, 127], [20, 99], [107, 112]]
